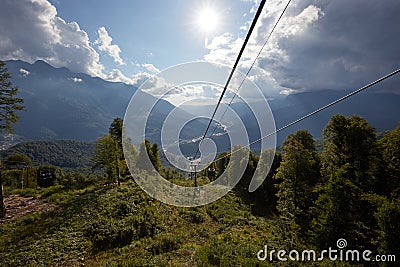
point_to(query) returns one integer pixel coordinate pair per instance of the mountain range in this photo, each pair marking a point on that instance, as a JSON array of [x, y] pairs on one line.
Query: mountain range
[[63, 105]]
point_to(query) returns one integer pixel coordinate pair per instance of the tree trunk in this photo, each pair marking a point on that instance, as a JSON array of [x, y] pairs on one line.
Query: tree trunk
[[2, 206]]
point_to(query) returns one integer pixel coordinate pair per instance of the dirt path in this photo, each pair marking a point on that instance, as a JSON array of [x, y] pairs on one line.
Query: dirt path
[[18, 206]]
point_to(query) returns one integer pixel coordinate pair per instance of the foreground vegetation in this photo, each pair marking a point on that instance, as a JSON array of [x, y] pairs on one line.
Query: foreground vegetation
[[310, 199], [122, 226]]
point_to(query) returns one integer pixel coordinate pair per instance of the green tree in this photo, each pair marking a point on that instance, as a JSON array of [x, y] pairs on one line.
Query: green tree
[[18, 161], [222, 162], [336, 211], [351, 142], [115, 130], [148, 151], [264, 198], [106, 155], [242, 187], [390, 175], [388, 218], [350, 167], [9, 104], [109, 154], [156, 159], [298, 174]]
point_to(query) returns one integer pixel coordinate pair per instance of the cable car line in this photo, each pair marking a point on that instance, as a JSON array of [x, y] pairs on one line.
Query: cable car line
[[253, 24], [252, 65], [315, 112]]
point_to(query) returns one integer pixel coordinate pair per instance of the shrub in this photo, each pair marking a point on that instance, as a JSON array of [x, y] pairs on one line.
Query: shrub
[[166, 244], [193, 215], [225, 252], [52, 190], [120, 225], [106, 234]]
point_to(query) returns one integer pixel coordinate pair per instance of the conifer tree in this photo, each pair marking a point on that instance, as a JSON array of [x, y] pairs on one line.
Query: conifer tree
[[298, 173], [9, 104]]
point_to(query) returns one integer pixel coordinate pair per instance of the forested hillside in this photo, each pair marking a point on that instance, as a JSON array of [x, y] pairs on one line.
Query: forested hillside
[[69, 155], [311, 200]]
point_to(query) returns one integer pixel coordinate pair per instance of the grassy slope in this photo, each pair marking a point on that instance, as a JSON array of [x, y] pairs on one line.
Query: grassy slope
[[111, 226]]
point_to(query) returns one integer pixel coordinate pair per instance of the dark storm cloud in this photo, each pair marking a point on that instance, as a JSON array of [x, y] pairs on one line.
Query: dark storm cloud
[[351, 43]]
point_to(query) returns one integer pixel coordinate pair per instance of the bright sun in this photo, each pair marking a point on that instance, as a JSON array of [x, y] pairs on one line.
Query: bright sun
[[207, 20]]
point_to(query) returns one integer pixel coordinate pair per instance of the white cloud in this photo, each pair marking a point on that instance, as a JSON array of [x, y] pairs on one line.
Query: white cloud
[[76, 80], [178, 95], [319, 44], [151, 68], [104, 41], [31, 30], [140, 78], [117, 76], [24, 72], [137, 79], [224, 49]]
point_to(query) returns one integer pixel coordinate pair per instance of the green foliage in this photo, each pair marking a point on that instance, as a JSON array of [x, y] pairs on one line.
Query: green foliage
[[226, 252], [106, 156], [69, 155], [351, 141], [108, 153], [222, 162], [149, 151], [129, 217], [110, 233], [351, 166], [77, 180], [98, 225], [264, 199], [229, 211], [298, 173], [388, 218], [165, 243], [9, 103], [14, 177], [25, 192], [238, 160], [193, 215], [115, 130], [303, 137], [390, 177], [11, 178], [17, 161], [336, 212]]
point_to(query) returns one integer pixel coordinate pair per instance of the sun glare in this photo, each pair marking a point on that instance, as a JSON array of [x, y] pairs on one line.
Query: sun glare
[[207, 20]]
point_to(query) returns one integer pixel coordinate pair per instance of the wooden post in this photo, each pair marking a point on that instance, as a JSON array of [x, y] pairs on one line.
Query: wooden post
[[117, 163], [2, 206]]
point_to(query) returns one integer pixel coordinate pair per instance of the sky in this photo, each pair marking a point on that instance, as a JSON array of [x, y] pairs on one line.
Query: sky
[[338, 44]]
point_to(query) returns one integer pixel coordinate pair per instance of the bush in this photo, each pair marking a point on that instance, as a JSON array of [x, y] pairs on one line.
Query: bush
[[119, 222], [106, 234], [26, 192], [78, 180], [224, 252], [167, 243], [193, 215], [52, 190]]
